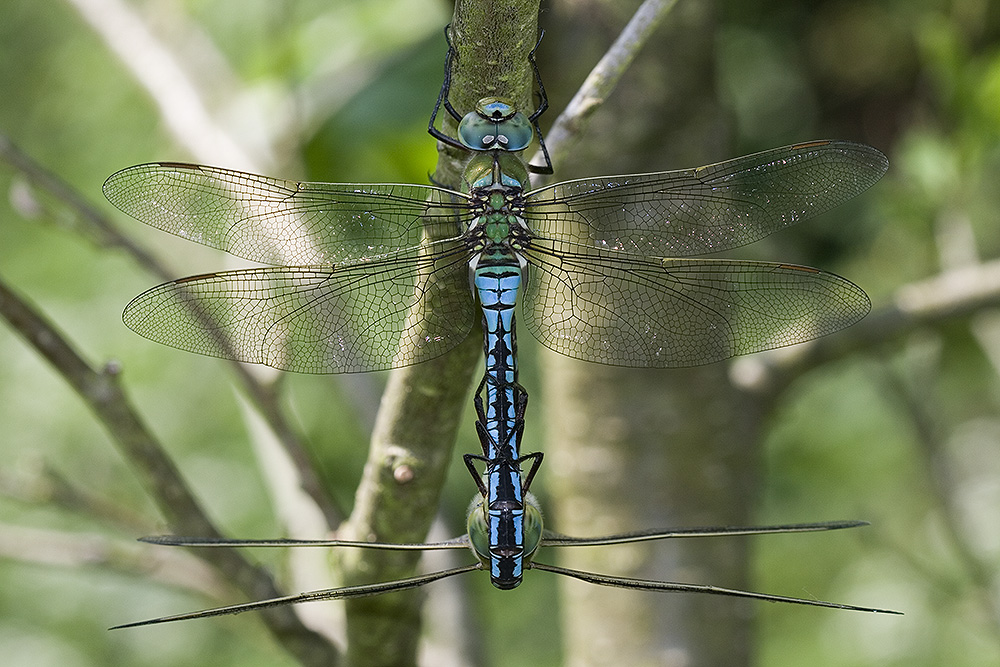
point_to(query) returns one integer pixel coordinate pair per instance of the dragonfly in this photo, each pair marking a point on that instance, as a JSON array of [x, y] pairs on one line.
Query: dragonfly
[[366, 277], [484, 518]]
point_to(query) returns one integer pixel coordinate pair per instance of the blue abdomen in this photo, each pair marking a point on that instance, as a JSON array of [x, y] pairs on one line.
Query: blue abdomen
[[497, 286]]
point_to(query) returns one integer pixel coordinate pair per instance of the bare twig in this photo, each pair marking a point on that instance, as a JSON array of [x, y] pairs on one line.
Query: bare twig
[[602, 79], [93, 224], [96, 226], [101, 393], [266, 403], [954, 294], [160, 73], [944, 484], [171, 567], [301, 518], [46, 486], [942, 298]]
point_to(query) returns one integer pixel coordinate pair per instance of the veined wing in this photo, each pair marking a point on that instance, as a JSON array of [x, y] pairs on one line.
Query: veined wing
[[364, 316], [625, 310], [282, 222], [697, 211]]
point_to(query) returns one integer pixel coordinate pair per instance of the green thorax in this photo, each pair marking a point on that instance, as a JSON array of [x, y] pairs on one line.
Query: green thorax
[[496, 180], [495, 171]]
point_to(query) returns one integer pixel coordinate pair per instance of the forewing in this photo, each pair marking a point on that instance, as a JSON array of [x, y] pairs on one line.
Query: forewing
[[282, 222], [704, 210]]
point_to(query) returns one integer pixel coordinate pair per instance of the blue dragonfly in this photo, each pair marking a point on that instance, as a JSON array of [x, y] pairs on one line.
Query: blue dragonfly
[[368, 277], [513, 508]]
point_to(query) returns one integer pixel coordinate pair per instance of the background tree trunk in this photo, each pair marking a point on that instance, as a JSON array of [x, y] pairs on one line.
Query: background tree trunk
[[636, 449]]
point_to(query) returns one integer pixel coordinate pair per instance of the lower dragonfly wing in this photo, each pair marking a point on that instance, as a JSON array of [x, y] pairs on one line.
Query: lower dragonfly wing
[[625, 310], [357, 317]]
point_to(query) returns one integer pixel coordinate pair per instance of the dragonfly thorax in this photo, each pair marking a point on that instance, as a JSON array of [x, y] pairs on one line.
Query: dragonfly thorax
[[495, 125], [498, 230], [495, 171], [498, 227], [496, 182]]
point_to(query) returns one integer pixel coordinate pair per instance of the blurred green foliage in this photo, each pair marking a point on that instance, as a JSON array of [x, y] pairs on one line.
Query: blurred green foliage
[[919, 80]]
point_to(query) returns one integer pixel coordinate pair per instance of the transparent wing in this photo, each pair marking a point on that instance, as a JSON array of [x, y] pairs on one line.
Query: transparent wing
[[625, 310], [704, 210], [282, 222], [344, 593], [357, 317], [676, 586]]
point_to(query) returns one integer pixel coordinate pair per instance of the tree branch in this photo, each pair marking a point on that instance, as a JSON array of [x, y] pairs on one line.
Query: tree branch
[[159, 72], [103, 395], [572, 122], [90, 222], [46, 486], [95, 226], [943, 298], [417, 424], [944, 483], [170, 567]]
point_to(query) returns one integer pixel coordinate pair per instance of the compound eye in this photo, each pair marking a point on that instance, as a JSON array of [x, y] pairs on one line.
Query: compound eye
[[495, 124], [515, 132], [476, 133]]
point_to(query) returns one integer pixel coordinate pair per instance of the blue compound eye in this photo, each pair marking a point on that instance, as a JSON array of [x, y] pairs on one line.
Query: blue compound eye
[[494, 125]]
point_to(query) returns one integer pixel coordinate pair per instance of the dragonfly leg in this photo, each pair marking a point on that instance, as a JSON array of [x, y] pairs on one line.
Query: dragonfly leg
[[477, 401], [449, 62], [442, 99], [520, 398], [543, 100], [470, 463], [536, 461], [485, 437], [520, 404], [543, 104]]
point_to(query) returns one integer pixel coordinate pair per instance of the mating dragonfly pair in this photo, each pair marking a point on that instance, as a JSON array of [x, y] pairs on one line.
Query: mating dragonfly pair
[[368, 277]]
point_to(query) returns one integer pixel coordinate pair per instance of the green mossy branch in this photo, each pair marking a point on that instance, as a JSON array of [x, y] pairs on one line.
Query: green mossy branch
[[413, 442]]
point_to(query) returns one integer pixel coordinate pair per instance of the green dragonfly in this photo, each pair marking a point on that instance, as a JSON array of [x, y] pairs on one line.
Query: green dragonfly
[[479, 539]]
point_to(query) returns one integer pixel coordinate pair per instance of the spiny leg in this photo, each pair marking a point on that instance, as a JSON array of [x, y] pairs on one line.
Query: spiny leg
[[442, 99], [543, 104]]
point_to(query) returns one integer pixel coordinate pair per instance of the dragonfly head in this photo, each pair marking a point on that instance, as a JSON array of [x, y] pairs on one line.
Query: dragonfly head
[[495, 125], [505, 538]]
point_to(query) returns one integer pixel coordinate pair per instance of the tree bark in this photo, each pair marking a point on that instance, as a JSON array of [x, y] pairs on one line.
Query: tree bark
[[638, 449], [412, 444]]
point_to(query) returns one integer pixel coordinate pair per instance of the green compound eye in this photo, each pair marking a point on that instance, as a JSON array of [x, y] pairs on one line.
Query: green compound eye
[[478, 529], [533, 527]]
